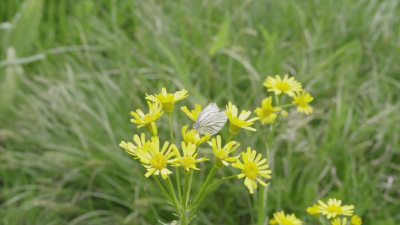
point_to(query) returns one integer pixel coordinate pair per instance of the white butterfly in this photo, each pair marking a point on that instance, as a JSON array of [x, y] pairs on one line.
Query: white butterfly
[[210, 120]]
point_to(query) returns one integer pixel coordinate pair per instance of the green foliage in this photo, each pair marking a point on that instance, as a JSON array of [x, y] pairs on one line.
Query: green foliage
[[91, 62]]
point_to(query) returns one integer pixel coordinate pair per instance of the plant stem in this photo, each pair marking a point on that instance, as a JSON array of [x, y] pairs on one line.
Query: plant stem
[[261, 211], [163, 189], [184, 214], [203, 188], [321, 220], [208, 191], [170, 128], [188, 190], [263, 190], [185, 191], [172, 193], [178, 184], [230, 138], [219, 182], [287, 105]]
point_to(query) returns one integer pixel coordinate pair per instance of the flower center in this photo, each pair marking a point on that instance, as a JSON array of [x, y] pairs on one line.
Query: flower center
[[187, 162], [148, 118], [158, 161], [221, 154], [284, 221], [283, 86], [250, 169], [334, 209], [268, 111], [301, 102]]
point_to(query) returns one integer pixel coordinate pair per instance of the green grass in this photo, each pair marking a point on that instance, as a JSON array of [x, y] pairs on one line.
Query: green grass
[[82, 66]]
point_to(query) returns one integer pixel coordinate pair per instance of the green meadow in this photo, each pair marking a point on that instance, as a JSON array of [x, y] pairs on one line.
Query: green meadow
[[71, 71]]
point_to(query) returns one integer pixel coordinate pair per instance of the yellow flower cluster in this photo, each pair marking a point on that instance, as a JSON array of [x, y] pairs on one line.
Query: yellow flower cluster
[[289, 86], [156, 159], [281, 219], [151, 156], [335, 211]]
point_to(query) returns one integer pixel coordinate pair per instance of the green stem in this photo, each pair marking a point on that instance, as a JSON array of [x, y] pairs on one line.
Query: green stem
[[178, 184], [219, 182], [184, 216], [163, 189], [172, 193], [321, 220], [287, 105], [188, 190], [208, 191], [185, 191], [261, 211], [203, 188], [263, 191], [230, 138], [170, 128], [183, 220]]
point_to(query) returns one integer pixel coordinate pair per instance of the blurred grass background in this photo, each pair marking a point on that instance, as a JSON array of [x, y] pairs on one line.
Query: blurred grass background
[[71, 71]]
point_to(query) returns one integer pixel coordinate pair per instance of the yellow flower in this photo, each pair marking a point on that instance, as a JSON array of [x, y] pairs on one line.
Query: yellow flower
[[188, 160], [278, 86], [194, 137], [222, 154], [355, 220], [337, 221], [252, 168], [130, 148], [192, 114], [301, 100], [154, 160], [266, 112], [281, 219], [238, 122], [273, 222], [168, 100], [334, 208], [313, 210], [146, 120]]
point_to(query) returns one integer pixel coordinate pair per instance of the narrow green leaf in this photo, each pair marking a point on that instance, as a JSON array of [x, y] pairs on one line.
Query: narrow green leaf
[[221, 37]]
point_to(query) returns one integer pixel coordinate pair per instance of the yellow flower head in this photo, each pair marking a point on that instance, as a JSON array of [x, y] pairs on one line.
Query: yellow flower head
[[154, 160], [146, 120], [355, 220], [222, 154], [313, 210], [333, 208], [301, 100], [188, 160], [238, 122], [252, 168], [278, 86], [194, 137], [192, 114], [267, 111], [281, 219], [130, 148], [337, 221], [167, 100]]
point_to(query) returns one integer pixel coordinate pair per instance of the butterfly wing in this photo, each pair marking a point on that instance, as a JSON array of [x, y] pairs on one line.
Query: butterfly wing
[[210, 120], [214, 123]]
